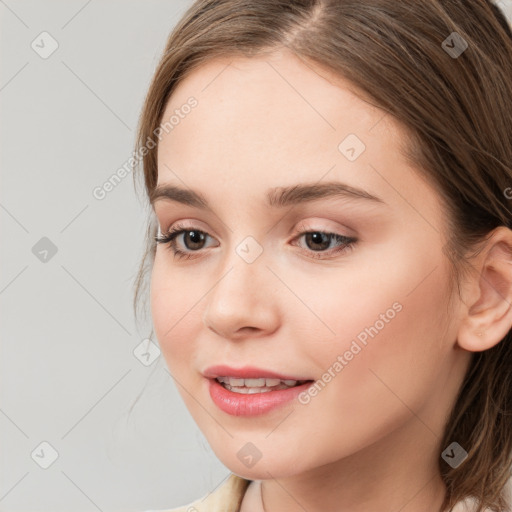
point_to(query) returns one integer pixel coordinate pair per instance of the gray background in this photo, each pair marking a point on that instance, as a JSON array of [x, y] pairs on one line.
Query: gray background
[[68, 368]]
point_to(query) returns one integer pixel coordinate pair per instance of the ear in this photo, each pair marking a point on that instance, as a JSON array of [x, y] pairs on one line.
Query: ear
[[487, 316]]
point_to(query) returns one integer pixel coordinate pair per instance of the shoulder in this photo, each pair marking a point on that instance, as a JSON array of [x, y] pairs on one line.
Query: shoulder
[[226, 498]]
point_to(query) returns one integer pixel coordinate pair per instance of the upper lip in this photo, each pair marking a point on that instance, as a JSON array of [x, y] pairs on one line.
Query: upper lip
[[246, 372]]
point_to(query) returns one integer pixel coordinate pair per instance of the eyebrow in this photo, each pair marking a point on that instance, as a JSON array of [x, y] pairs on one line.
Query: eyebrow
[[278, 197]]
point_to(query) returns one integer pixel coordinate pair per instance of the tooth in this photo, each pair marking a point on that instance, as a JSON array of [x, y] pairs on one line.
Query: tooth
[[260, 385], [235, 382], [254, 383], [250, 391]]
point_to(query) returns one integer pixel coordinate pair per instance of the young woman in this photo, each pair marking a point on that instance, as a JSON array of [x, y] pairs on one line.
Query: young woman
[[330, 250]]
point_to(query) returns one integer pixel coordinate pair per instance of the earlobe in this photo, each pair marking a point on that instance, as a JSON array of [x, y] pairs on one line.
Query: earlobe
[[488, 318]]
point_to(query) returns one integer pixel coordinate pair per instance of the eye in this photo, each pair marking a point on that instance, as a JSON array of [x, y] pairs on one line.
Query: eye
[[193, 240], [318, 241]]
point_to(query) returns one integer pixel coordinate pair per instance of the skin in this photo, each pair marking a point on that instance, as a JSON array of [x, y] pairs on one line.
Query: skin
[[371, 439]]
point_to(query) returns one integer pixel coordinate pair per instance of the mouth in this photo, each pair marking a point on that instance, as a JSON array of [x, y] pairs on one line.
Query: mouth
[[258, 385], [251, 391]]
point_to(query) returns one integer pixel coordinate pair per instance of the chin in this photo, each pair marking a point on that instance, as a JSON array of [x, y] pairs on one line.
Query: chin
[[278, 465]]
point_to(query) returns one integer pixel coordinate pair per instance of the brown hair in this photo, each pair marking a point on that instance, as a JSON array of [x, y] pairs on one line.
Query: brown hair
[[457, 112]]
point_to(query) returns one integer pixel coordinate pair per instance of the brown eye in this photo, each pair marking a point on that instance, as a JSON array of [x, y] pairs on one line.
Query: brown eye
[[319, 239], [196, 239], [318, 243], [192, 242]]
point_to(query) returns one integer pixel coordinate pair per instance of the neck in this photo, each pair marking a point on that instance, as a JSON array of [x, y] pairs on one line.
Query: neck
[[395, 473]]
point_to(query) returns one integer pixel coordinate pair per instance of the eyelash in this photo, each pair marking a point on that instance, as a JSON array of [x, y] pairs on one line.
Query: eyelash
[[169, 239]]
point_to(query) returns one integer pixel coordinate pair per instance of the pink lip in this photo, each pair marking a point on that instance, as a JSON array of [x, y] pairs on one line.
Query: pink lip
[[247, 372], [238, 404]]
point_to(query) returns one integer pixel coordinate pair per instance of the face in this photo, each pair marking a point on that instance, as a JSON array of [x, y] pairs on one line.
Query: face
[[344, 285]]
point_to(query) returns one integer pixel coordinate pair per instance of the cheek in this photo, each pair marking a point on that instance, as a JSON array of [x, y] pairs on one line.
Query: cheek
[[173, 314], [388, 349]]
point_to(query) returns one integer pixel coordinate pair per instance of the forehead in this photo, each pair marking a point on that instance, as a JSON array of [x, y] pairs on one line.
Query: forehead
[[277, 100], [271, 121]]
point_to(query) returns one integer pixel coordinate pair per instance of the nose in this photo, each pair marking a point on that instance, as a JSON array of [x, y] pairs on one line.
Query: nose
[[243, 301]]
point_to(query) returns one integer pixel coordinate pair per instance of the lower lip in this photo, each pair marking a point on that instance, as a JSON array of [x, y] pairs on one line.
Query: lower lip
[[238, 404]]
